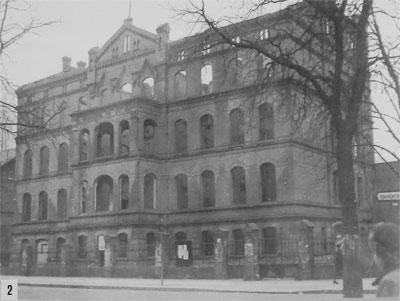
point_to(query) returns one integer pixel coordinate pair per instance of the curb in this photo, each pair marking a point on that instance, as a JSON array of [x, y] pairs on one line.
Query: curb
[[183, 289]]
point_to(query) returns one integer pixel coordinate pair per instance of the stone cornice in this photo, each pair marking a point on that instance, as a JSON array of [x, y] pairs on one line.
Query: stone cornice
[[43, 134]]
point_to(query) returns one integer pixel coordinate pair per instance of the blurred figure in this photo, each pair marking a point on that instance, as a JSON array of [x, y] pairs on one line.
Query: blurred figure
[[338, 263], [384, 239]]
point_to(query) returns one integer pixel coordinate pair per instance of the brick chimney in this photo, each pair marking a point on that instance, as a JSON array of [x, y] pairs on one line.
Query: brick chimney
[[81, 65], [66, 63]]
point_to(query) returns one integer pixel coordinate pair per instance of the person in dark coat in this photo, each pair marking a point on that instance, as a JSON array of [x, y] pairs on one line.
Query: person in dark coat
[[338, 263], [384, 239]]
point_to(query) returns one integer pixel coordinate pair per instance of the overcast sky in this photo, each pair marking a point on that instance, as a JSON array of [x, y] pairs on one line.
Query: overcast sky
[[83, 24]]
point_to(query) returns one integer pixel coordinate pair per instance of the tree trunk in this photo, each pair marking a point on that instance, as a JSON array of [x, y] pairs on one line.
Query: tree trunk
[[352, 275]]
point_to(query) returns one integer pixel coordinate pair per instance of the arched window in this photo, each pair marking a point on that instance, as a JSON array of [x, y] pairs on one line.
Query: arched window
[[206, 79], [182, 191], [238, 185], [148, 87], [63, 157], [236, 118], [151, 244], [104, 95], [84, 196], [62, 203], [207, 178], [82, 246], [180, 84], [84, 142], [207, 241], [59, 245], [28, 155], [26, 207], [149, 191], [336, 195], [266, 119], [82, 103], [238, 242], [127, 88], [270, 241], [104, 190], [268, 182], [149, 134], [180, 236], [206, 131], [43, 199], [124, 191], [181, 136], [44, 161], [105, 139], [124, 137], [122, 245]]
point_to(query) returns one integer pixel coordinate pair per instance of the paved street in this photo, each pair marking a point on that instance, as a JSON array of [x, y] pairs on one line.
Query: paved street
[[45, 293]]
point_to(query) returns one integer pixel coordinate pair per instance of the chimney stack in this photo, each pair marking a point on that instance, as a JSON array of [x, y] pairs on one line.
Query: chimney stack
[[66, 63], [81, 65]]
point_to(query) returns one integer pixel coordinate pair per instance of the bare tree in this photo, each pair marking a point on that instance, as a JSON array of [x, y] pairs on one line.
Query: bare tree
[[328, 51], [12, 32]]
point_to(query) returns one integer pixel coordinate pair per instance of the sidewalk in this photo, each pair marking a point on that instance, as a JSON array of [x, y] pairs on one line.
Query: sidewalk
[[272, 286]]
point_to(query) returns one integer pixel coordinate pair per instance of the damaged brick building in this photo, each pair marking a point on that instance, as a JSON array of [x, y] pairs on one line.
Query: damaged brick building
[[178, 139]]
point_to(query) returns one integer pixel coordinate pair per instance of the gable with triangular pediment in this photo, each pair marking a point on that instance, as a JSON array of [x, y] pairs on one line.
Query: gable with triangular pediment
[[127, 39]]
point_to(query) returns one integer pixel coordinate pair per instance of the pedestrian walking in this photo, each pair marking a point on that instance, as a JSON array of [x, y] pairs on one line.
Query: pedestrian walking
[[338, 263], [384, 239]]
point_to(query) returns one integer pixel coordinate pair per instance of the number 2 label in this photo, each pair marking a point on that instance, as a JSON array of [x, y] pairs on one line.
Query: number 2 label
[[9, 289]]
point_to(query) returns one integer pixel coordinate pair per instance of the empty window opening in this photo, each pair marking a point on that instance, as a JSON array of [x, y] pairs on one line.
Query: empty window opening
[[28, 156], [206, 79], [127, 43], [148, 87], [63, 157], [151, 244], [264, 34], [206, 49], [182, 191], [84, 142], [266, 119], [124, 137], [26, 207], [44, 161], [82, 246], [336, 195], [236, 118], [124, 192], [180, 136], [149, 191], [104, 189], [62, 198], [238, 243], [206, 131], [268, 182], [105, 139], [360, 190], [180, 84], [207, 177], [270, 243], [238, 185], [84, 196], [181, 55], [127, 88], [207, 241], [43, 199], [122, 245], [59, 246]]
